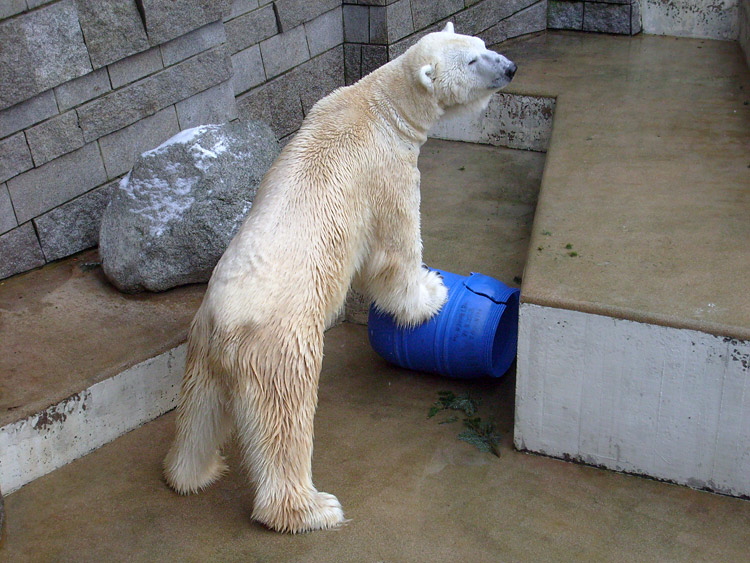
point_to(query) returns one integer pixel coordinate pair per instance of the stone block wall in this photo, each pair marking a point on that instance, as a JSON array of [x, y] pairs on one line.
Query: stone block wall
[[602, 16], [744, 28], [86, 85], [376, 31], [717, 19]]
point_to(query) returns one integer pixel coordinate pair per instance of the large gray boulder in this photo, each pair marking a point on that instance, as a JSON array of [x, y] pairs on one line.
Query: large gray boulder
[[174, 214]]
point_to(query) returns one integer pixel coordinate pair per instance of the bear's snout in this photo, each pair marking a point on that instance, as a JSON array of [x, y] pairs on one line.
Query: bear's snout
[[499, 69]]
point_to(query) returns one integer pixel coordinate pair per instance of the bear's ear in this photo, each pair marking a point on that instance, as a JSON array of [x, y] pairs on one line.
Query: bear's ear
[[448, 28], [426, 76]]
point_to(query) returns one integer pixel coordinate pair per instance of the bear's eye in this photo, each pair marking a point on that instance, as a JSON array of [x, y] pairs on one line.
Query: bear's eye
[[472, 61]]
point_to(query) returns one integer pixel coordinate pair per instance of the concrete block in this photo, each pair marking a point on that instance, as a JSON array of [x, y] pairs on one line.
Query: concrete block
[[356, 24], [319, 77], [675, 410], [120, 148], [484, 15], [565, 15], [296, 12], [277, 103], [7, 215], [247, 68], [213, 106], [134, 67], [193, 43], [112, 29], [19, 251], [43, 188], [250, 29], [399, 18], [530, 20], [11, 8], [352, 63], [147, 96], [83, 89], [54, 137], [91, 418], [74, 226], [47, 40], [636, 20], [373, 56], [510, 120], [240, 7], [325, 32], [168, 20], [15, 157], [427, 12], [284, 51], [27, 113], [606, 18], [378, 25]]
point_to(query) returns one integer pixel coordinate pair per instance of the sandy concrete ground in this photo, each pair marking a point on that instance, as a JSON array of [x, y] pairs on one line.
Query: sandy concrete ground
[[412, 490]]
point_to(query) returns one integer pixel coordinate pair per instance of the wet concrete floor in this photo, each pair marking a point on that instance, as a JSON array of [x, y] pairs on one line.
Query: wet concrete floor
[[412, 490]]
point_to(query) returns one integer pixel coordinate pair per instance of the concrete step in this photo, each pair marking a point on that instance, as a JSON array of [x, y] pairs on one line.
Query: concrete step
[[412, 490], [83, 363], [634, 345]]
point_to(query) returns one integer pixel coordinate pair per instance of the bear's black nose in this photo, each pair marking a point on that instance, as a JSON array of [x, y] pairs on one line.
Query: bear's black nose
[[510, 72]]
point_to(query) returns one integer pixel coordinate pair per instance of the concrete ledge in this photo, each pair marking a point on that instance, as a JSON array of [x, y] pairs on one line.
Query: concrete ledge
[[670, 403], [514, 121], [43, 442]]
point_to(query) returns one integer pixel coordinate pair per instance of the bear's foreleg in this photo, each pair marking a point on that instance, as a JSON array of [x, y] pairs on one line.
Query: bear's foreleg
[[394, 276], [273, 405]]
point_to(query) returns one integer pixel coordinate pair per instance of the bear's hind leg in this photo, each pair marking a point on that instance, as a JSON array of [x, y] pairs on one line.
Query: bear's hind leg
[[274, 420], [203, 425]]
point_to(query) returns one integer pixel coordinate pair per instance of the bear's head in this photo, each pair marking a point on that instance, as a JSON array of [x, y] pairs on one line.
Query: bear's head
[[459, 71]]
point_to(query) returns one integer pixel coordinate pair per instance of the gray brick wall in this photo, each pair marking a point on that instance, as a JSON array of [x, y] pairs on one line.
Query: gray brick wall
[[117, 77], [110, 79], [602, 16]]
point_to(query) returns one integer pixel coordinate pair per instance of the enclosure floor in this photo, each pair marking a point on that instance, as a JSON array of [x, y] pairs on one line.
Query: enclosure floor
[[413, 492], [647, 179]]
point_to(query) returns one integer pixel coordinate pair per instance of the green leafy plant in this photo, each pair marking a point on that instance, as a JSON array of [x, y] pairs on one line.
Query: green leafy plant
[[481, 434], [447, 400]]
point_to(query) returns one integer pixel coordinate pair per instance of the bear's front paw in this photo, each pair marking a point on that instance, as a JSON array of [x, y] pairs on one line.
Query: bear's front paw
[[425, 300]]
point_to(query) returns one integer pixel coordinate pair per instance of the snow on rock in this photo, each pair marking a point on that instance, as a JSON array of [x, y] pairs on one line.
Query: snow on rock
[[177, 209]]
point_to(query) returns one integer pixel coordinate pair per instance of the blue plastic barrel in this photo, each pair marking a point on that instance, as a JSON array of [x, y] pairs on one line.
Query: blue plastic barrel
[[475, 333]]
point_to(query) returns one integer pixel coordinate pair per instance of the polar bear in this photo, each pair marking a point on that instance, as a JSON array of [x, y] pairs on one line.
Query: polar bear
[[340, 204]]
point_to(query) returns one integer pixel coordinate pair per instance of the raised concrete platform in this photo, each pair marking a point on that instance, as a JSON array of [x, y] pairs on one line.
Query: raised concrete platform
[[82, 363], [634, 345]]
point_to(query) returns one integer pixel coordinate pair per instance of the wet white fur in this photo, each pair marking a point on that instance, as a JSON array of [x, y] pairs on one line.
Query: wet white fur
[[340, 204]]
